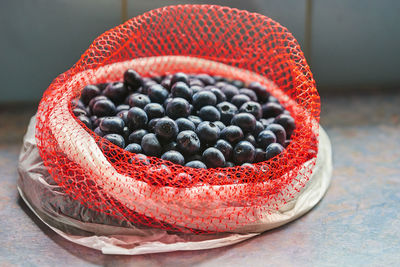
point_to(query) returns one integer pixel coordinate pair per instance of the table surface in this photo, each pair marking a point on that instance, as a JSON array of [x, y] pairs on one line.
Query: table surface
[[357, 223]]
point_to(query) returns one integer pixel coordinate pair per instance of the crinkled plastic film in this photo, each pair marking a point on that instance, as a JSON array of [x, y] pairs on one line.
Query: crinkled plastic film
[[153, 192]]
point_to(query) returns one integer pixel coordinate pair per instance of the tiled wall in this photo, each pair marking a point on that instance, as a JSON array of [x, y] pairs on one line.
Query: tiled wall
[[353, 43]]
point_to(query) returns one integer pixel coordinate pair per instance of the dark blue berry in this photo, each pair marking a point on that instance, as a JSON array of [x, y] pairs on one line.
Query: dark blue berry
[[166, 83], [147, 83], [154, 110], [166, 102], [259, 128], [116, 139], [261, 91], [250, 93], [271, 109], [103, 108], [116, 92], [179, 77], [250, 138], [239, 100], [279, 132], [170, 146], [209, 113], [125, 133], [157, 93], [232, 134], [181, 89], [213, 158], [195, 119], [166, 129], [265, 138], [227, 111], [220, 125], [273, 150], [132, 79], [208, 132], [206, 79], [150, 145], [99, 132], [229, 164], [122, 107], [138, 100], [287, 122], [188, 142], [246, 121], [177, 108], [260, 155], [89, 92], [225, 147], [112, 125], [218, 93], [243, 152], [137, 136], [123, 115], [204, 98], [196, 164], [92, 102], [196, 82], [134, 148], [253, 108], [85, 120], [185, 124], [152, 124], [230, 91], [266, 122], [96, 122], [273, 99], [174, 157], [237, 83], [137, 118], [78, 111], [196, 89]]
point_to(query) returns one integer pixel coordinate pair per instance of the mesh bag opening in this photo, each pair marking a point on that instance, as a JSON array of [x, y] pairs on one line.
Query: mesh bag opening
[[153, 192]]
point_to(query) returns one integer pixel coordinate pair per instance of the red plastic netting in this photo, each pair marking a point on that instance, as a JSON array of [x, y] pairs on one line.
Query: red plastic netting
[[150, 191]]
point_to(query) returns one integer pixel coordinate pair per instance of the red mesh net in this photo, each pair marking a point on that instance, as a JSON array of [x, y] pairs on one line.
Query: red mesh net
[[153, 192]]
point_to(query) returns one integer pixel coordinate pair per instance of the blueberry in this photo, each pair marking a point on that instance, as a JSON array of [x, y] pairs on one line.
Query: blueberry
[[232, 134], [89, 92], [177, 108], [230, 91], [93, 119], [132, 79], [154, 110], [273, 99], [85, 120], [166, 129], [77, 103], [204, 98], [134, 148], [138, 100], [96, 122], [102, 86], [229, 164], [152, 124], [179, 77], [151, 146], [243, 152], [225, 147], [166, 102], [195, 119], [123, 115], [209, 113], [259, 128], [196, 82], [112, 125], [116, 92], [93, 101], [185, 124], [220, 125], [260, 155], [208, 132], [137, 136], [206, 79], [196, 164], [273, 150], [213, 158], [196, 89], [170, 146], [250, 138], [239, 100], [126, 132], [174, 157], [265, 138], [147, 83], [252, 108], [266, 122], [287, 122], [227, 111], [103, 108], [246, 121], [237, 83], [261, 91], [181, 89], [271, 109], [250, 93], [116, 139], [122, 108], [99, 132], [137, 118], [188, 142], [78, 111], [222, 83], [279, 132], [218, 93], [157, 93]]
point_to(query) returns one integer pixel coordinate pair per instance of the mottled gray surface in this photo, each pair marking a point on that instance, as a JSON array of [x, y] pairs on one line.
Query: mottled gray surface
[[356, 224]]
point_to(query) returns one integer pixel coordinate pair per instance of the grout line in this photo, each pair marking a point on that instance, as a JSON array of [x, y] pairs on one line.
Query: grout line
[[308, 30], [124, 10]]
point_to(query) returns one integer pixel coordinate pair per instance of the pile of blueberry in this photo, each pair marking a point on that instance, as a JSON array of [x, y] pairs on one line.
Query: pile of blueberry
[[198, 121]]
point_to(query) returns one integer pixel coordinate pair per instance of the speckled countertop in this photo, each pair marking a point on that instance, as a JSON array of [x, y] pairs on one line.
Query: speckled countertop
[[356, 224]]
